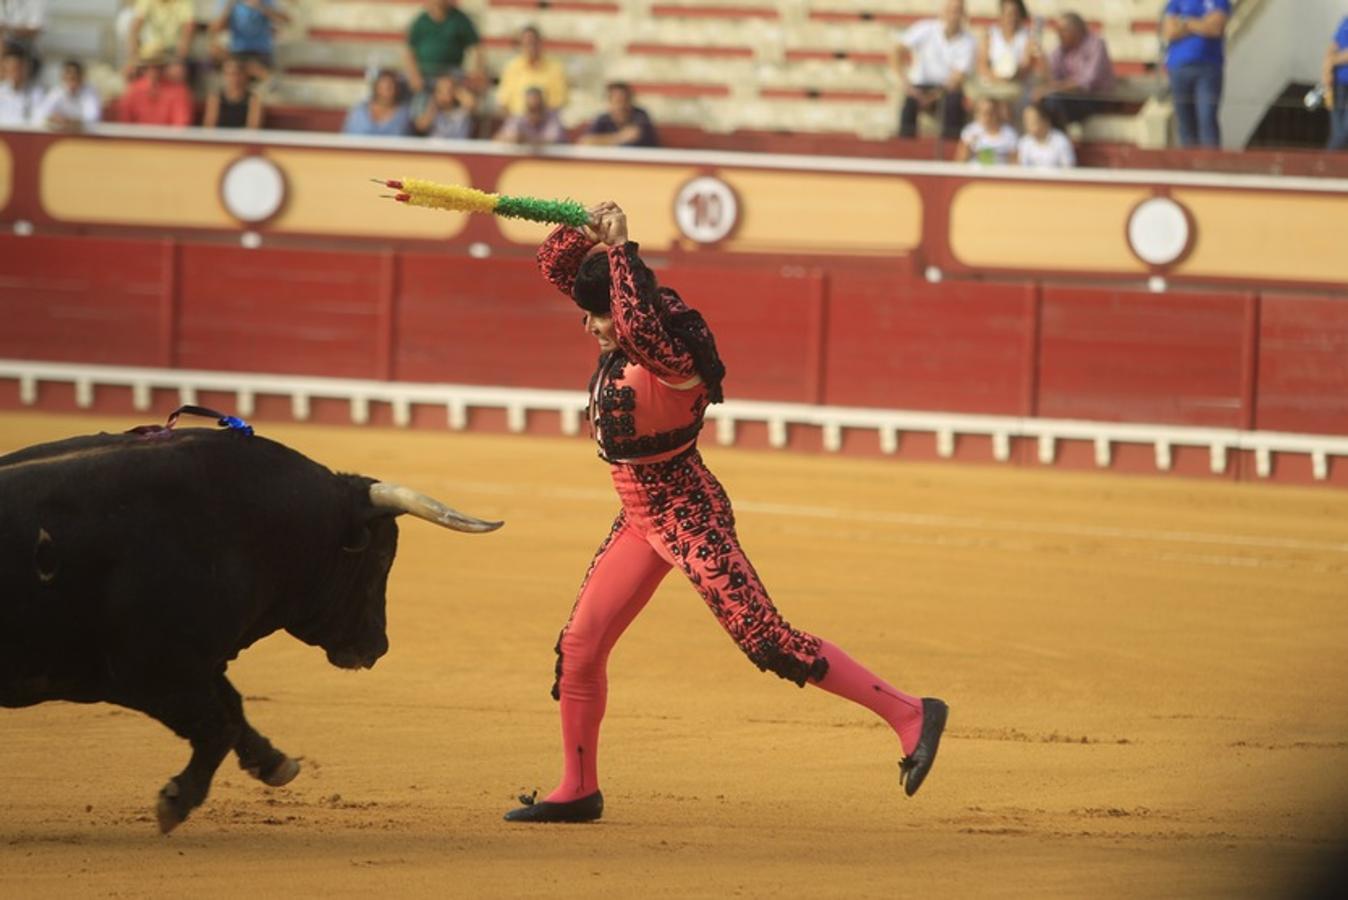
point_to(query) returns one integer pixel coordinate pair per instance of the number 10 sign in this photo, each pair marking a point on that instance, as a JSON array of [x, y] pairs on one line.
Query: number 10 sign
[[706, 209]]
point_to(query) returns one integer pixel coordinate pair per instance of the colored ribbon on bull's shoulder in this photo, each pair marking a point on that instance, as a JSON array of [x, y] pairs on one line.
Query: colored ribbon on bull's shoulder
[[459, 198]]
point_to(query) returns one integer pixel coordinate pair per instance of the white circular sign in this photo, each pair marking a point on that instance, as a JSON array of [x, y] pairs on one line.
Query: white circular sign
[[1159, 231], [706, 210], [253, 189]]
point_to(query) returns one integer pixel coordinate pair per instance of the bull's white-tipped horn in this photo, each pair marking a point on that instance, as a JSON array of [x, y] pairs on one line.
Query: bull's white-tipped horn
[[402, 499]]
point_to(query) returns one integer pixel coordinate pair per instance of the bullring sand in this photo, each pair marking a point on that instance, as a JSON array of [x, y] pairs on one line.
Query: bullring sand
[[1147, 683]]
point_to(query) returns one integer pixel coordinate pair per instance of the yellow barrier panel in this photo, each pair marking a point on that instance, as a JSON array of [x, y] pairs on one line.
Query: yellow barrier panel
[[96, 181], [1040, 226], [1267, 236]]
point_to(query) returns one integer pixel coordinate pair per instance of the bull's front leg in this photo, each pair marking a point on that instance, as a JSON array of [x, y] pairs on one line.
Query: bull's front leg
[[211, 723], [256, 754]]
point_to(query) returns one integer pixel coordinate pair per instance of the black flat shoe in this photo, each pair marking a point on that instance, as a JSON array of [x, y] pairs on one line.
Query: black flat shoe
[[586, 809], [913, 769]]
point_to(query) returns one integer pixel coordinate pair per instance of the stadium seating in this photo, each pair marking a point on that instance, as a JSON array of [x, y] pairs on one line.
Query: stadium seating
[[817, 66]]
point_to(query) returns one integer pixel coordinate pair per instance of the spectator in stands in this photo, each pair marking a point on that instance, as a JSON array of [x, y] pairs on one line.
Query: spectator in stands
[[70, 104], [933, 58], [19, 96], [441, 40], [251, 25], [1043, 146], [1336, 84], [449, 112], [987, 139], [531, 69], [624, 125], [161, 29], [1004, 53], [1195, 60], [537, 125], [384, 113], [236, 104], [1077, 73], [20, 24], [156, 97]]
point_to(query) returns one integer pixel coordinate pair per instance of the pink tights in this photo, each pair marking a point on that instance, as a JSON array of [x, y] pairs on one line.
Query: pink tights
[[625, 572]]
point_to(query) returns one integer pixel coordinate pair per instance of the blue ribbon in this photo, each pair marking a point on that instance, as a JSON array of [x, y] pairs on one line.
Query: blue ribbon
[[234, 423]]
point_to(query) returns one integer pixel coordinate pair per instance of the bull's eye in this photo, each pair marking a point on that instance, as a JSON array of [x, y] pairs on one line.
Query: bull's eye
[[358, 542], [44, 557]]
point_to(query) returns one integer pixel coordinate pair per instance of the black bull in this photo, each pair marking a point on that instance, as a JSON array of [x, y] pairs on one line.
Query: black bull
[[134, 568]]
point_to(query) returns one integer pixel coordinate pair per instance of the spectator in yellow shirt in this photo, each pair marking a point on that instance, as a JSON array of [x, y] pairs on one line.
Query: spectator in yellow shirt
[[161, 28], [531, 69]]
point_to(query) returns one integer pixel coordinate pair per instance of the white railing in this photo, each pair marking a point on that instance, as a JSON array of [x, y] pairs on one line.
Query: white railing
[[518, 403]]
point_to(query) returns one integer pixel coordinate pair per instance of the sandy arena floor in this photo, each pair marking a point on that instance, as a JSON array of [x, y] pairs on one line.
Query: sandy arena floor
[[1147, 682]]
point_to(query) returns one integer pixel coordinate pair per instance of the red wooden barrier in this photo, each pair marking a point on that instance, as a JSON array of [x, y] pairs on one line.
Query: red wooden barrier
[[71, 299], [1116, 355], [281, 311], [490, 321], [1303, 364], [856, 333], [960, 347], [768, 324]]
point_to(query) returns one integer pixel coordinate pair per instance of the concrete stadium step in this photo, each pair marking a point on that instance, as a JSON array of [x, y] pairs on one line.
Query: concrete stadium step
[[319, 91], [363, 16], [352, 55], [849, 37], [826, 75], [677, 70], [1116, 129], [921, 8], [869, 120]]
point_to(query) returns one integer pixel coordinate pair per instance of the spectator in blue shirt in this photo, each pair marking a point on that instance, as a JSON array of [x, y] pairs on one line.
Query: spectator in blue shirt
[[1336, 81], [384, 114], [251, 24], [1195, 60]]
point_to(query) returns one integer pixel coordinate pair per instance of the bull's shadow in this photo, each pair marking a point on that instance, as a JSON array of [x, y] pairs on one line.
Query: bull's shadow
[[137, 566]]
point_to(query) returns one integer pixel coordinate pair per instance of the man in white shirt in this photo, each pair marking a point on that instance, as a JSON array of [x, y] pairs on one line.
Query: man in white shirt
[[19, 97], [933, 58], [70, 104]]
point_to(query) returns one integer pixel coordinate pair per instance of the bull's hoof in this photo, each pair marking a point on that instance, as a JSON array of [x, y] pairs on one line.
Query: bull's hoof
[[169, 810], [276, 772], [283, 773]]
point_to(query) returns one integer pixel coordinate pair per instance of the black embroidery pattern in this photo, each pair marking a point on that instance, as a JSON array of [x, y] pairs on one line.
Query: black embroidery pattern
[[618, 523], [695, 521], [613, 419], [559, 257], [639, 310], [615, 405]]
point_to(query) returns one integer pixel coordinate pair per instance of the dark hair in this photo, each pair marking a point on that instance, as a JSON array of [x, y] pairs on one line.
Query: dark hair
[[531, 29], [380, 75], [1020, 7], [74, 64], [18, 51], [619, 86], [593, 285]]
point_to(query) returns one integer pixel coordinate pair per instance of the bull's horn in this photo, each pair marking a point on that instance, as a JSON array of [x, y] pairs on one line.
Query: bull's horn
[[397, 497]]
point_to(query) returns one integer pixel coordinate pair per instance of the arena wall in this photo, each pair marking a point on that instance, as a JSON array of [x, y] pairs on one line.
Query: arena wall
[[843, 285]]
